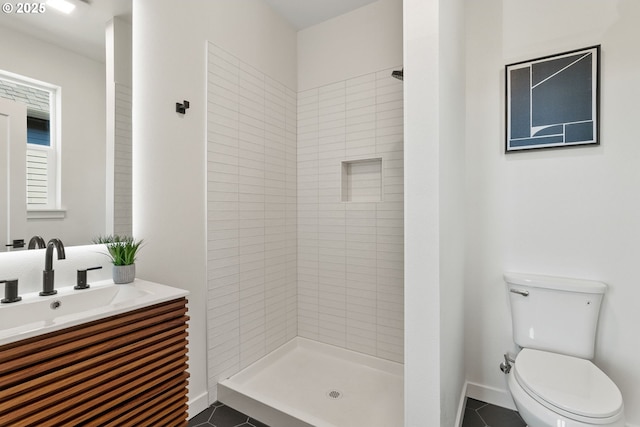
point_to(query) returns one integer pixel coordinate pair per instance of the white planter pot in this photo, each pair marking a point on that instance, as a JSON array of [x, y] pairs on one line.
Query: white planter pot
[[124, 273]]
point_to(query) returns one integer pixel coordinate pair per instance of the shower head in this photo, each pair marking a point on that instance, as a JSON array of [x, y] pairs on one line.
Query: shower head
[[398, 74]]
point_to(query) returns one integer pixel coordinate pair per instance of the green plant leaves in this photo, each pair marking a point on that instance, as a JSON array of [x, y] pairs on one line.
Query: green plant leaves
[[121, 249]]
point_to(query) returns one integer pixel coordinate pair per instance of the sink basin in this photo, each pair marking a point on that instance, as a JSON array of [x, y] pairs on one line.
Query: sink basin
[[36, 315]]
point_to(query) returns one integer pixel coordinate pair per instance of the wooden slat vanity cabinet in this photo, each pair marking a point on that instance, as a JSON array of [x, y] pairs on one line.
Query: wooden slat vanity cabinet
[[124, 370]]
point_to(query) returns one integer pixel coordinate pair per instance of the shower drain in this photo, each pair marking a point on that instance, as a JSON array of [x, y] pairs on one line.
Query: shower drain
[[334, 394]]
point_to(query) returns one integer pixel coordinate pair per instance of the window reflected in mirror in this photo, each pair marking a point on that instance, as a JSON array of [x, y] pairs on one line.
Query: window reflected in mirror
[[43, 149]]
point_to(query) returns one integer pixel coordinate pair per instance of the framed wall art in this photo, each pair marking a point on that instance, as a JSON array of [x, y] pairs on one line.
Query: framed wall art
[[553, 101]]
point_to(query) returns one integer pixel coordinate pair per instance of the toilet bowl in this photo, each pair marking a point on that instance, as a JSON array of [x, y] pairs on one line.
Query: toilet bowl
[[554, 390], [553, 381]]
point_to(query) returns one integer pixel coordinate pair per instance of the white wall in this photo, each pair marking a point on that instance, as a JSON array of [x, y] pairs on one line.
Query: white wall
[[570, 212], [169, 202], [359, 42], [434, 243], [452, 212], [83, 131], [422, 276]]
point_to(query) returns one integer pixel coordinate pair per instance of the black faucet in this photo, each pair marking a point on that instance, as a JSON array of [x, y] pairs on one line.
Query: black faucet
[[47, 274], [37, 241], [10, 291], [81, 278]]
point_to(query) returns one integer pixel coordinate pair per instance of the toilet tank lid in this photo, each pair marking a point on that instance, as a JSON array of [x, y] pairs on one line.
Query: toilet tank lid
[[557, 283]]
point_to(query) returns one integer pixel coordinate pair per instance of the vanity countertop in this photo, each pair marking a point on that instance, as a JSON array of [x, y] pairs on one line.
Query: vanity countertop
[[37, 315]]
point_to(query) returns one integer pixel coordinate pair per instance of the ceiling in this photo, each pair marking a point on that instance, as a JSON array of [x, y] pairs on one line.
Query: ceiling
[[305, 13], [83, 30]]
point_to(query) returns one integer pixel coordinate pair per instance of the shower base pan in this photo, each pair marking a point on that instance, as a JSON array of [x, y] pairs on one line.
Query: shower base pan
[[305, 383]]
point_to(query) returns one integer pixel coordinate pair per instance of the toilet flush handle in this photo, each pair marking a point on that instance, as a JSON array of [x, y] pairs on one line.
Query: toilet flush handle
[[506, 366], [519, 292]]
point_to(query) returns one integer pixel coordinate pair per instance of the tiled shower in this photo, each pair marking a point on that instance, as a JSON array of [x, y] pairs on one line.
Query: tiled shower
[[251, 220], [350, 215], [305, 215]]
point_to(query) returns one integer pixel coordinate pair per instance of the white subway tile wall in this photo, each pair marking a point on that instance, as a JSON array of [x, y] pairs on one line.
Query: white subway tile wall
[[122, 188], [350, 254], [286, 256], [252, 297]]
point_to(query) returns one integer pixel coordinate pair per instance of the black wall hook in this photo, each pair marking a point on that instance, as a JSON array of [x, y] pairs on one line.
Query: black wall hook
[[182, 108]]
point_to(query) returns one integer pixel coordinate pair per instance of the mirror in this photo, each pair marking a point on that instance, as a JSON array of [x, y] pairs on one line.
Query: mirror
[[94, 105]]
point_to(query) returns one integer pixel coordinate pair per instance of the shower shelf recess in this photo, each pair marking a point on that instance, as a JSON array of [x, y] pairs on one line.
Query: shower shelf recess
[[362, 180]]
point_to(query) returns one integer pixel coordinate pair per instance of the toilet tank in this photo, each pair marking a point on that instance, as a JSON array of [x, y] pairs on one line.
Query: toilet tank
[[555, 313]]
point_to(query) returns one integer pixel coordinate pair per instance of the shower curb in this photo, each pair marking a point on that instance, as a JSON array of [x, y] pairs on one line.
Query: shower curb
[[256, 409]]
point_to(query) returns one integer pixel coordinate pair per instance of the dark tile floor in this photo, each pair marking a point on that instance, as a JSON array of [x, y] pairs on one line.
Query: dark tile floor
[[220, 415], [476, 414], [480, 414]]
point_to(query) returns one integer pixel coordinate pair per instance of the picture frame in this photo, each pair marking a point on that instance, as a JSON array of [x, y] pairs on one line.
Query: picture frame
[[553, 101]]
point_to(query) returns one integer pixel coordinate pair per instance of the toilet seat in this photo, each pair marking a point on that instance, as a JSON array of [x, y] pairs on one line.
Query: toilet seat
[[568, 385]]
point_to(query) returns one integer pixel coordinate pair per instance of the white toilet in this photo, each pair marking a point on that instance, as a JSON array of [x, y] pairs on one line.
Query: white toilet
[[552, 380]]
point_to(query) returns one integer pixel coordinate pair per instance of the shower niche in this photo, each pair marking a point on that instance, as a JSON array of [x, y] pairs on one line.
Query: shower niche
[[362, 180]]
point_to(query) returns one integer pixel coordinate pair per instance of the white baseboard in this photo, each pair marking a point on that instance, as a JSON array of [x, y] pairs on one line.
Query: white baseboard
[[462, 405], [198, 404], [495, 396]]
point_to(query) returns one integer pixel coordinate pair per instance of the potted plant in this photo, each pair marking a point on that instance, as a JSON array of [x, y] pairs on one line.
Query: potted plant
[[123, 251]]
